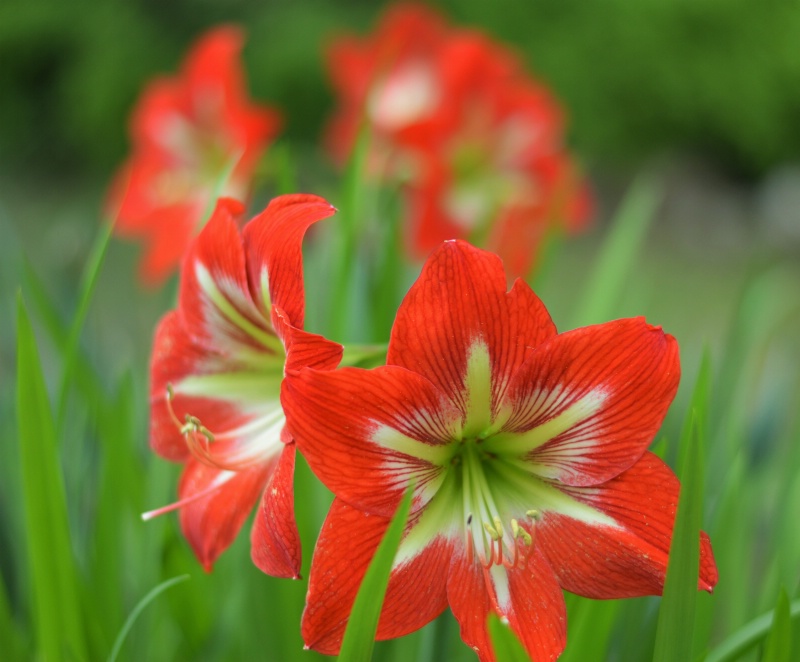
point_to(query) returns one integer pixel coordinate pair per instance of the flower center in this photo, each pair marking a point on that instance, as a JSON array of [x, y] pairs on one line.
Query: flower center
[[490, 535]]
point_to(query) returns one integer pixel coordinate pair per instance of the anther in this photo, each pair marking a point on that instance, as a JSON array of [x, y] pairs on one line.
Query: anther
[[491, 531]]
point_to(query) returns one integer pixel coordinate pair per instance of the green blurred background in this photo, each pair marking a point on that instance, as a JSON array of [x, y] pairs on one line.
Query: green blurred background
[[718, 77], [706, 93]]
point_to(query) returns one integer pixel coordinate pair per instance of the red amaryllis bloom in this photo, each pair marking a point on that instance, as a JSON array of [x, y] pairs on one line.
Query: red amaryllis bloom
[[455, 119], [526, 449], [216, 371], [195, 137]]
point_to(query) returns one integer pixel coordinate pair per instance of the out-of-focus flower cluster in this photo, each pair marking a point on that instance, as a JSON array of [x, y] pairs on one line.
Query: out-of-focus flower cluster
[[476, 142], [526, 448], [195, 137]]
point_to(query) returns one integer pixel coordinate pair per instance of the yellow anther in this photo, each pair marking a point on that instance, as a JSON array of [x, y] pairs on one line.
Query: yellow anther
[[498, 526], [534, 514], [515, 529], [491, 531]]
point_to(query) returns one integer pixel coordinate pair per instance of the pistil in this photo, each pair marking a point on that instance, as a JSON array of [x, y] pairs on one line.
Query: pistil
[[495, 547]]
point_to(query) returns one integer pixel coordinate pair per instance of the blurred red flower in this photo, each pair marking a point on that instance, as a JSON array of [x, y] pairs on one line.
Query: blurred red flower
[[453, 117], [526, 449], [195, 137], [216, 371]]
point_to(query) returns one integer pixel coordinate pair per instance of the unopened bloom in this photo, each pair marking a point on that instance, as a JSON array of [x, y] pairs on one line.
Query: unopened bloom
[[216, 371], [526, 449], [476, 142], [195, 137]]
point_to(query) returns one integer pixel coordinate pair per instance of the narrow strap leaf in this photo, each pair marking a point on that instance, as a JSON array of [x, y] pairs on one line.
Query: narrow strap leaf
[[359, 638]]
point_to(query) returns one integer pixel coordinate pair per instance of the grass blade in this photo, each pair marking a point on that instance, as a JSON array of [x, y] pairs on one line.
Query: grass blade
[[59, 632], [146, 600], [9, 634], [778, 646], [749, 636], [618, 253], [88, 284], [676, 618], [359, 638]]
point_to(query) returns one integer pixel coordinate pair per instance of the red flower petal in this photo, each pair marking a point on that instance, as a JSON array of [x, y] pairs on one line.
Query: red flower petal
[[273, 243], [346, 545], [215, 299], [211, 522], [527, 596], [538, 614], [629, 561], [274, 539], [459, 302], [366, 433], [304, 349], [588, 402]]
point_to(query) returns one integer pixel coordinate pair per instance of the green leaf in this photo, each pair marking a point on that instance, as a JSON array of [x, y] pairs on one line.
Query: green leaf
[[88, 285], [146, 600], [59, 631], [9, 634], [778, 646], [507, 646], [619, 252], [350, 220], [359, 638], [749, 636], [676, 618]]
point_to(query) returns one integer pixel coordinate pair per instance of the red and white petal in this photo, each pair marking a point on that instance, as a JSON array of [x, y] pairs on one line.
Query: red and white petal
[[218, 504], [346, 545], [274, 539], [461, 329], [471, 604], [368, 433], [528, 597], [240, 408], [627, 560], [216, 305], [537, 613], [304, 349], [588, 402], [273, 242]]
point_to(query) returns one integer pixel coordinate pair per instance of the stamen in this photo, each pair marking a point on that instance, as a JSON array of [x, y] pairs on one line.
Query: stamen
[[199, 438], [150, 514]]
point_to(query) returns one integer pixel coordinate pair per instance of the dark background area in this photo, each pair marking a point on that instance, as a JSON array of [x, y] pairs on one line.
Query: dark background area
[[719, 78]]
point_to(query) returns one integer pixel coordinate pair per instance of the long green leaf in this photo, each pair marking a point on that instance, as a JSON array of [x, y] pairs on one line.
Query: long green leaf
[[505, 643], [88, 285], [350, 220], [9, 633], [59, 631], [778, 646], [619, 252], [146, 600], [749, 636], [359, 638], [676, 618]]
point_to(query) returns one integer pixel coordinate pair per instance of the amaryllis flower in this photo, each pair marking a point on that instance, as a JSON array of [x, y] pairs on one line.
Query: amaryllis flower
[[216, 371], [454, 119], [195, 137], [526, 449]]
